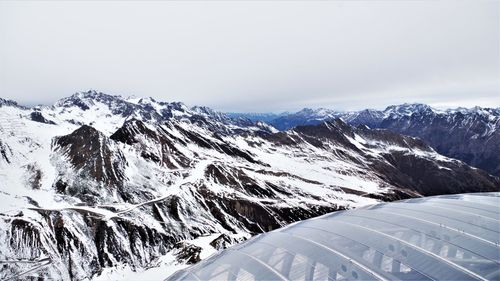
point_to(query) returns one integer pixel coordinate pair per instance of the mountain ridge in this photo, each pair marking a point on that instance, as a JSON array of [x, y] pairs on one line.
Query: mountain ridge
[[109, 183], [471, 135]]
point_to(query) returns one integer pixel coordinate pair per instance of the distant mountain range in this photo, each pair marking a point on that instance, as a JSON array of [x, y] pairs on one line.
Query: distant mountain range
[[97, 183], [471, 135]]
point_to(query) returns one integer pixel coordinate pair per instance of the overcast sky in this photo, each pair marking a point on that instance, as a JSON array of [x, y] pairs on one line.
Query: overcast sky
[[254, 55]]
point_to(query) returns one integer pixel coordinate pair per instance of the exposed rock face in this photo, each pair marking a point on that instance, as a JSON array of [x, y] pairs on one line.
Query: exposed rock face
[[403, 168], [86, 100], [155, 175], [368, 117], [93, 160], [224, 241], [82, 244], [33, 175], [471, 135], [91, 153], [38, 117], [188, 253], [5, 152], [11, 103], [157, 146]]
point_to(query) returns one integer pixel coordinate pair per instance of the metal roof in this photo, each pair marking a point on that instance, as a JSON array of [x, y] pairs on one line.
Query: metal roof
[[452, 237]]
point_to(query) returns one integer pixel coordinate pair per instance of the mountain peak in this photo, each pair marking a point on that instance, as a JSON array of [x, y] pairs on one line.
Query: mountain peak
[[147, 100], [93, 94], [7, 102], [408, 108], [85, 100], [318, 112]]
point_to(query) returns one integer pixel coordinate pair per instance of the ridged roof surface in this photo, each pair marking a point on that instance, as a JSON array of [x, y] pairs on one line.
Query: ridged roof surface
[[453, 237]]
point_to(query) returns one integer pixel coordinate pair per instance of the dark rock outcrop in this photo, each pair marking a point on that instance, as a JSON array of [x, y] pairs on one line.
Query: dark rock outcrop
[[155, 145], [5, 152], [92, 153], [188, 253], [38, 117]]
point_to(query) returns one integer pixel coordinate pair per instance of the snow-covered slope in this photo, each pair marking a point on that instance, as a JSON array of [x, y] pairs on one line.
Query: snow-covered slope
[[471, 135], [468, 134], [97, 185]]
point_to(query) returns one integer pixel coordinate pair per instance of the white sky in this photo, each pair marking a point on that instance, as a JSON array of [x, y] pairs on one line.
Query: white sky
[[254, 55]]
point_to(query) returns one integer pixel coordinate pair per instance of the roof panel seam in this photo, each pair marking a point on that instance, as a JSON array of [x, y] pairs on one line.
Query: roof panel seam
[[422, 250], [368, 270]]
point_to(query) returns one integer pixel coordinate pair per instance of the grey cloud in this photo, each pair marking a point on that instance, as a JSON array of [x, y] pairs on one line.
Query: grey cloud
[[254, 56]]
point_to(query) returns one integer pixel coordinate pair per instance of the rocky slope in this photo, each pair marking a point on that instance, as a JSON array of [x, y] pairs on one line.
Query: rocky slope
[[471, 135], [104, 183]]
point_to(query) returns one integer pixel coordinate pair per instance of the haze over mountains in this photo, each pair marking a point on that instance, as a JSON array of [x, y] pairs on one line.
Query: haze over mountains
[[98, 183]]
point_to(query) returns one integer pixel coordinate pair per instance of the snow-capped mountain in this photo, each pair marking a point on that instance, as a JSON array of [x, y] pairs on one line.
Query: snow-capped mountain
[[471, 135], [306, 116], [96, 184], [264, 117]]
